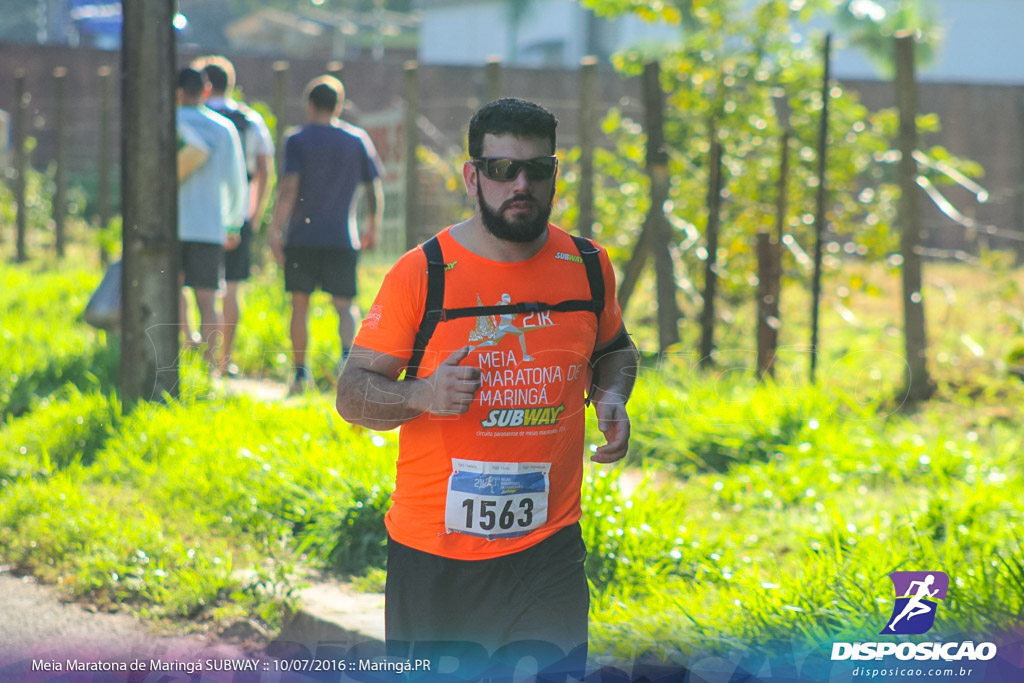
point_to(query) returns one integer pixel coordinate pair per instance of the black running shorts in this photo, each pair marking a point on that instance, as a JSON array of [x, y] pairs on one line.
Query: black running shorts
[[202, 264], [238, 261], [494, 612], [333, 270]]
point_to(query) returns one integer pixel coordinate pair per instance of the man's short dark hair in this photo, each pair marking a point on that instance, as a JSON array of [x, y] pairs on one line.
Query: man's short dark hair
[[219, 70], [323, 97], [510, 115], [325, 92], [191, 81], [218, 77]]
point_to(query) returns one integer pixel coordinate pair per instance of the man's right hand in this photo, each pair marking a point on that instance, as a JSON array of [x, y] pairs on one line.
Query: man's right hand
[[453, 386]]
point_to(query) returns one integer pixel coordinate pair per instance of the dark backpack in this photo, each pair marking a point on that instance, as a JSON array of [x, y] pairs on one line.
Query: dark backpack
[[435, 312], [237, 117]]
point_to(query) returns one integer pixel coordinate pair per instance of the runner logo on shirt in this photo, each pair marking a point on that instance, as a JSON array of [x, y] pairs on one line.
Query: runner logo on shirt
[[490, 329], [514, 385]]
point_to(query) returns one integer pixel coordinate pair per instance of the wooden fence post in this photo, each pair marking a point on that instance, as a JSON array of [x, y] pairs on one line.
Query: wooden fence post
[[280, 111], [60, 202], [819, 220], [769, 263], [411, 92], [782, 192], [707, 317], [149, 286], [336, 69], [104, 162], [635, 267], [587, 119], [492, 79], [919, 385], [657, 169], [21, 99], [767, 303]]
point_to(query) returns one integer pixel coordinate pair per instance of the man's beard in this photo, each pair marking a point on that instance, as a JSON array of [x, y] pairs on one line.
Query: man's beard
[[520, 229]]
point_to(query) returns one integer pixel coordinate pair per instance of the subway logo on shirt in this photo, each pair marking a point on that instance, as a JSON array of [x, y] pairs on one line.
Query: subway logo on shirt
[[523, 417]]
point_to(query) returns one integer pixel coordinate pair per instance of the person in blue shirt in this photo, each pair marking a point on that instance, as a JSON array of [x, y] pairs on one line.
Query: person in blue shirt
[[314, 234], [211, 207]]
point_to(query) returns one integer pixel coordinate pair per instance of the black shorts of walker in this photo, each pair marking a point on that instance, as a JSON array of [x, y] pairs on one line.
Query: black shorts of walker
[[202, 264], [333, 270], [238, 261]]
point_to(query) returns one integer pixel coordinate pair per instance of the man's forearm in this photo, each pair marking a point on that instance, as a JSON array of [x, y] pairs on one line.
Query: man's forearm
[[288, 193], [376, 201], [371, 400], [616, 371]]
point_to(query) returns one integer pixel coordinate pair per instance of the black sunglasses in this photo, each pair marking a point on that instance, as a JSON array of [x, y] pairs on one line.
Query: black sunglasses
[[504, 169]]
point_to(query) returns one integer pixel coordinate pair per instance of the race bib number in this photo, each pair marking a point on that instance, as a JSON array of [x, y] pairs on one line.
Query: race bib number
[[497, 499]]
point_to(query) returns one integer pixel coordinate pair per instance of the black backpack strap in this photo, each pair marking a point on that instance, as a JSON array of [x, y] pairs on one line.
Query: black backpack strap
[[241, 121], [589, 254], [531, 307], [591, 261], [237, 117], [433, 311]]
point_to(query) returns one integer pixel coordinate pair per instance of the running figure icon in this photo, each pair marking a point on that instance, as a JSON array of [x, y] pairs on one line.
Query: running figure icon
[[915, 606], [492, 328]]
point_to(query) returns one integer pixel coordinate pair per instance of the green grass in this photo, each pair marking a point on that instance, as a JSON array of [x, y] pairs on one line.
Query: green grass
[[43, 345], [794, 538], [66, 428], [770, 515]]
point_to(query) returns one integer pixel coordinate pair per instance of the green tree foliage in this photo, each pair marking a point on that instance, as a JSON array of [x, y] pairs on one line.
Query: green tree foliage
[[743, 69]]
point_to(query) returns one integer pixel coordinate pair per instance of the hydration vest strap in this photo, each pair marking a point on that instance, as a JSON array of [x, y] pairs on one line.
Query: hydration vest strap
[[435, 302], [588, 252], [435, 312], [502, 309]]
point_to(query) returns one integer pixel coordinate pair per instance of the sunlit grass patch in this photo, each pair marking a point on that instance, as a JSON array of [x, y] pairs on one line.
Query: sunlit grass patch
[[769, 514]]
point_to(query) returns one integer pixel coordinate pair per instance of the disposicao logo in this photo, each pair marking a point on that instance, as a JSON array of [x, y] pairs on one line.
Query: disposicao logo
[[917, 599], [918, 595]]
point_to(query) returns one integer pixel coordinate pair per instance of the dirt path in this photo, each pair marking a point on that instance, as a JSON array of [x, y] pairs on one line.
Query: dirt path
[[257, 389], [36, 625]]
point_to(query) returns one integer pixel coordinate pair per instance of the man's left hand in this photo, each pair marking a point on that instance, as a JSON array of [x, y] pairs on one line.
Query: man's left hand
[[613, 421], [232, 241]]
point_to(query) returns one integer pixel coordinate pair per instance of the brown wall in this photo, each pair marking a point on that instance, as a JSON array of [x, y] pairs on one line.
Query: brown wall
[[981, 122]]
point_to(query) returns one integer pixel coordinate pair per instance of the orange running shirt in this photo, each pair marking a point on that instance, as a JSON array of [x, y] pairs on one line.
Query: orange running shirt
[[506, 474]]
